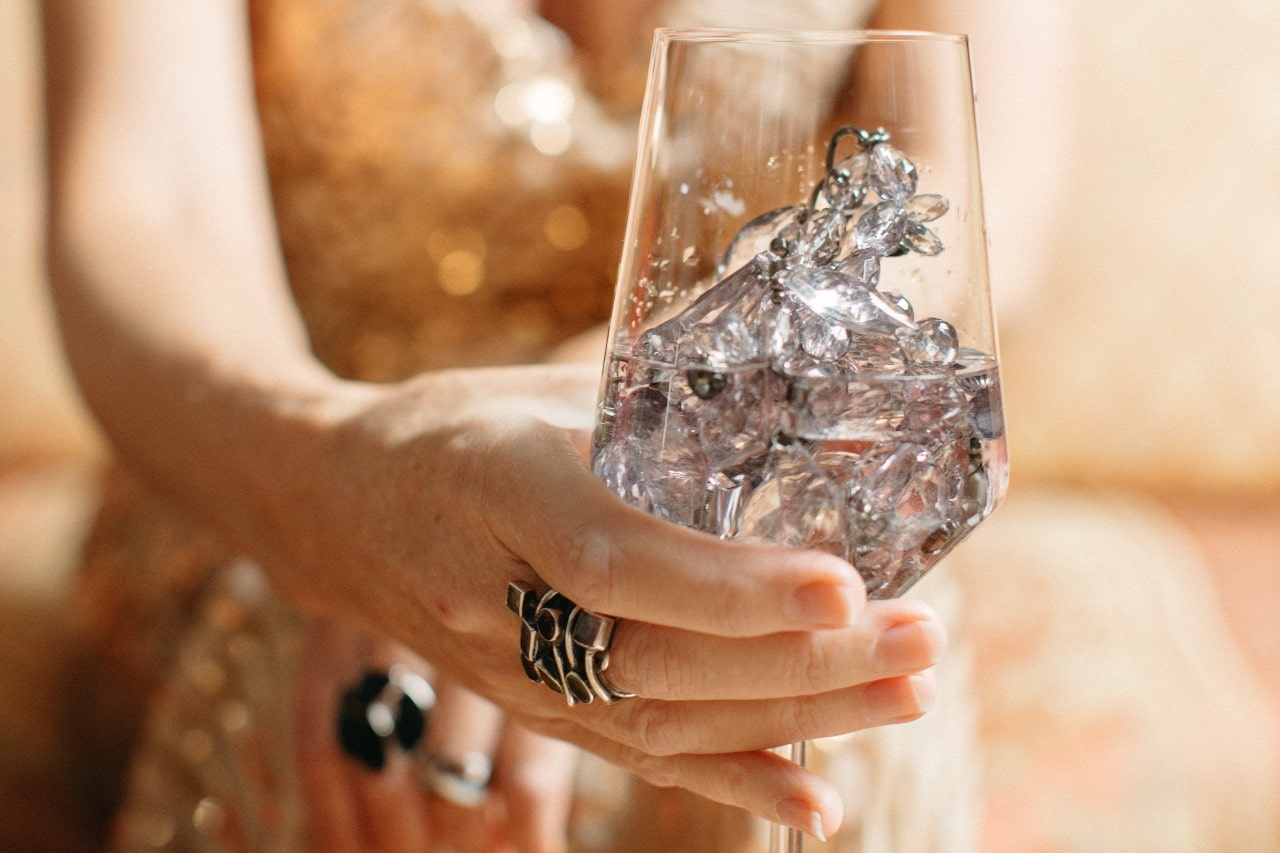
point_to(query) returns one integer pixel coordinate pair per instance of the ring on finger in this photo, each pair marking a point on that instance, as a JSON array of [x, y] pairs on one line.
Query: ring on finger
[[564, 646], [462, 781], [383, 711]]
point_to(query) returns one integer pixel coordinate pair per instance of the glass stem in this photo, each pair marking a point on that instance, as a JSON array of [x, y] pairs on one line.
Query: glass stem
[[784, 839]]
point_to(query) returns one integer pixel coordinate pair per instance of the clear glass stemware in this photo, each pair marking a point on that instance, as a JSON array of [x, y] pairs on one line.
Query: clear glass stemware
[[802, 348]]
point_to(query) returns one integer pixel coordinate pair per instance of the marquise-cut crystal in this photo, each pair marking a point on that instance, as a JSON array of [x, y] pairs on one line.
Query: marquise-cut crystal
[[892, 175], [821, 236], [834, 296], [864, 266], [921, 239], [796, 504], [927, 207], [880, 229]]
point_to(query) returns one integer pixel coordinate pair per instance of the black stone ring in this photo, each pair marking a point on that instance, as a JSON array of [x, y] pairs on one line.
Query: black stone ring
[[564, 646], [381, 711]]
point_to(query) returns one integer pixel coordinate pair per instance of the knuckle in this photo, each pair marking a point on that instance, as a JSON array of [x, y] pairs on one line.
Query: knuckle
[[657, 729], [726, 608], [653, 663], [590, 561], [816, 667], [659, 772], [733, 781], [729, 608], [804, 721]]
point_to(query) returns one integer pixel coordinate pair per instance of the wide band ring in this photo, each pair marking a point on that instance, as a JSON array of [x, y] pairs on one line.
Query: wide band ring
[[381, 712], [462, 781], [563, 645]]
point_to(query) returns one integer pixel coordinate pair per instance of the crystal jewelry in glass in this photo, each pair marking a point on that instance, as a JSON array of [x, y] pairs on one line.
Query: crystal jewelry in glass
[[802, 348]]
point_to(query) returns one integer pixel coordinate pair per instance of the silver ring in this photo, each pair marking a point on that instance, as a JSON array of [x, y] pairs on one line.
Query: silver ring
[[563, 645], [463, 781]]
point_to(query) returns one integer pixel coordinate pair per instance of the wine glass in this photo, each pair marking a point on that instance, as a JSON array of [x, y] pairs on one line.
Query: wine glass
[[802, 349]]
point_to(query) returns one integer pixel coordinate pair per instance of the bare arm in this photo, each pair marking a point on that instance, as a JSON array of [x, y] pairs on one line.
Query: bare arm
[[169, 285]]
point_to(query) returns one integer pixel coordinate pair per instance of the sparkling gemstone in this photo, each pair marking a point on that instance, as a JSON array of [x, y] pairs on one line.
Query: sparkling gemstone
[[881, 229], [796, 505], [741, 291], [845, 186], [795, 403], [840, 407], [887, 472], [892, 312], [876, 355], [933, 343], [738, 418], [834, 297], [824, 341], [927, 207], [661, 344], [730, 488], [821, 237], [892, 175], [777, 330], [734, 342], [723, 342], [654, 459], [897, 300], [863, 266], [930, 403], [921, 239], [643, 411]]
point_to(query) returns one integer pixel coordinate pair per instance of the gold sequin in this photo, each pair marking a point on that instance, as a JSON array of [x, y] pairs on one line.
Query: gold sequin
[[208, 817], [566, 228], [461, 272]]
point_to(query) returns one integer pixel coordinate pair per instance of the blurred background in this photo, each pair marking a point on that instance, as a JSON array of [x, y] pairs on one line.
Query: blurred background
[[1128, 651]]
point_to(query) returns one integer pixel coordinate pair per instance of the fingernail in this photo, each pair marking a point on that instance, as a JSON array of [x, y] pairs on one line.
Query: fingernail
[[802, 816], [925, 687], [909, 645], [901, 699], [823, 605]]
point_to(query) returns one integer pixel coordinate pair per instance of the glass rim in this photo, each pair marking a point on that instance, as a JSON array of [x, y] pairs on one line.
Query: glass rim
[[787, 35]]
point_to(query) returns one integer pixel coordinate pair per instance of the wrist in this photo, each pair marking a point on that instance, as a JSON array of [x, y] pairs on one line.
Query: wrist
[[283, 444]]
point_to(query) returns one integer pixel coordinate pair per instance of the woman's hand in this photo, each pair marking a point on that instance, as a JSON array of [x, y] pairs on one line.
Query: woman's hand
[[350, 807], [425, 500]]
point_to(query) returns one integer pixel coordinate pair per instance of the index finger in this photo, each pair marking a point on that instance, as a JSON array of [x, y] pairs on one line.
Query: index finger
[[584, 541]]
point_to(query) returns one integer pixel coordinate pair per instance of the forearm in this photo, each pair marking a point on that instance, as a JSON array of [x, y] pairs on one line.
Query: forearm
[[169, 287]]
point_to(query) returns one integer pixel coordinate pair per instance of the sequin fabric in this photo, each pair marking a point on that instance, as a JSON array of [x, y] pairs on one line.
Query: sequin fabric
[[448, 191]]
